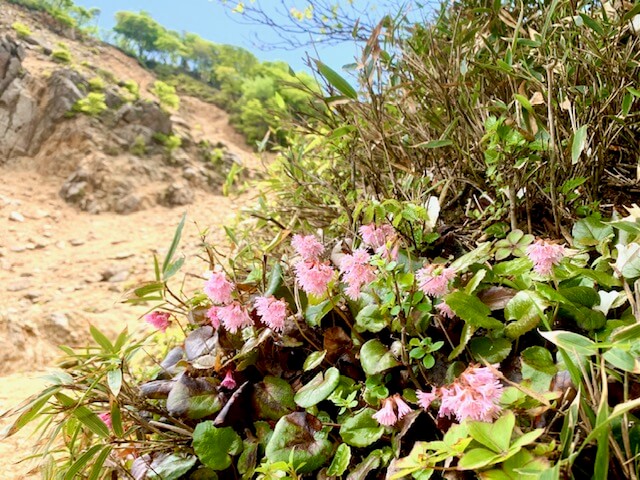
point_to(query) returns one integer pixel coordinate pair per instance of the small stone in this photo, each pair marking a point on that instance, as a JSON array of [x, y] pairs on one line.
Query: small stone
[[76, 242], [16, 216], [18, 286], [19, 248], [61, 244], [32, 295], [124, 255], [119, 277]]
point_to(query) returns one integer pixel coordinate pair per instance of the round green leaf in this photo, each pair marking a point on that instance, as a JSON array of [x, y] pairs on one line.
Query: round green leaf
[[493, 350], [361, 430], [318, 389], [298, 438], [214, 446], [376, 358], [272, 398]]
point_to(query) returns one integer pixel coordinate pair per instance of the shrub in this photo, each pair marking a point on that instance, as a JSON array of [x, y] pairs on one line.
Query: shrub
[[132, 87], [139, 146], [166, 95], [170, 142], [62, 53], [93, 104], [21, 29], [96, 84]]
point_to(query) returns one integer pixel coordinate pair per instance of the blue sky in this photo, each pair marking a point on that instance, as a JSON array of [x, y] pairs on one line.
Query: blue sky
[[212, 21]]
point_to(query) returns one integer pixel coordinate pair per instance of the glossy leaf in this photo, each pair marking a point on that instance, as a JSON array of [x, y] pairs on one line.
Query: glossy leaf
[[376, 358], [214, 446], [318, 389], [361, 429]]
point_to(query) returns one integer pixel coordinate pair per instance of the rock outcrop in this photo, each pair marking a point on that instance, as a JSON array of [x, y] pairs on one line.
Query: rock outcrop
[[121, 158]]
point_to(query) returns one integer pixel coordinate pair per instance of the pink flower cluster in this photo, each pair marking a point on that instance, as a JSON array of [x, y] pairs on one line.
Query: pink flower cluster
[[232, 314], [312, 274], [434, 279], [544, 256], [474, 395], [387, 414], [226, 311], [445, 310], [381, 239], [159, 320], [357, 272], [272, 311]]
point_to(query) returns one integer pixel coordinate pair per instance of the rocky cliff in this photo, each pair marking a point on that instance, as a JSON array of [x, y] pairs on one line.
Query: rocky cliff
[[126, 156]]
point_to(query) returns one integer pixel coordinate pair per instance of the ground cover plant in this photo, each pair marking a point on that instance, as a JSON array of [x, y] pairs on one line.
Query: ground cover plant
[[516, 358]]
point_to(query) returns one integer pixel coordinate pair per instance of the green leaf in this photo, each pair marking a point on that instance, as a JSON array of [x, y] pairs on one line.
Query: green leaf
[[214, 446], [194, 398], [171, 467], [173, 268], [493, 350], [101, 339], [593, 25], [336, 80], [512, 268], [318, 389], [495, 436], [86, 416], [97, 468], [466, 335], [527, 308], [114, 380], [30, 410], [480, 254], [376, 358], [314, 360], [477, 458], [174, 245], [314, 314], [361, 429], [340, 462], [623, 360], [585, 296], [370, 319], [272, 398], [82, 462], [591, 231], [472, 310], [571, 342], [298, 438], [275, 279], [445, 142]]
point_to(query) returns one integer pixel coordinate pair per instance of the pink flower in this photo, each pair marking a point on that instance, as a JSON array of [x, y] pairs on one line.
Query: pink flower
[[106, 418], [386, 416], [313, 277], [425, 398], [228, 382], [357, 272], [401, 405], [474, 395], [272, 311], [159, 320], [377, 237], [544, 256], [218, 288], [380, 239], [445, 310], [234, 316], [308, 247], [213, 315], [434, 279]]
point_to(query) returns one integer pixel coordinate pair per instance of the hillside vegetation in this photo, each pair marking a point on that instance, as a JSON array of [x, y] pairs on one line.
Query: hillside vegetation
[[258, 95]]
